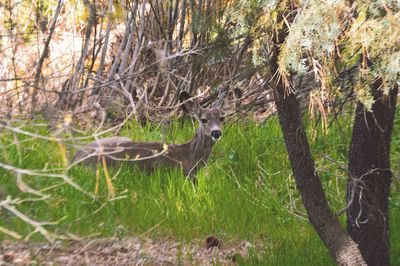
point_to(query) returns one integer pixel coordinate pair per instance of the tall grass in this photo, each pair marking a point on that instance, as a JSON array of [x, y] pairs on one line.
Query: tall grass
[[245, 193]]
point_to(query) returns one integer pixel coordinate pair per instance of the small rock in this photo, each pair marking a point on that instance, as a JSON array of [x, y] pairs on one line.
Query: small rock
[[212, 242]]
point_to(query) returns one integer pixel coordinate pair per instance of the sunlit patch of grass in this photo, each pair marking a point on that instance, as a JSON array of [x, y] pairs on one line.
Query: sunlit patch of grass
[[245, 193]]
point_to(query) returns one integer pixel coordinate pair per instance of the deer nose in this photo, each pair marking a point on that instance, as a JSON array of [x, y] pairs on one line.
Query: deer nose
[[215, 134]]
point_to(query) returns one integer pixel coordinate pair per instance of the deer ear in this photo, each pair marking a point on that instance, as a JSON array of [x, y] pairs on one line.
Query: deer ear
[[188, 106]]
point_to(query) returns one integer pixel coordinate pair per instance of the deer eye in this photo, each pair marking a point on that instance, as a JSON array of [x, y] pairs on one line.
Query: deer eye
[[204, 121], [221, 119]]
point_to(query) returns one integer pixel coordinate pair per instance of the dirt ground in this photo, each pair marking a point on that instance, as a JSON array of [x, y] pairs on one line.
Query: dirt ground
[[127, 251]]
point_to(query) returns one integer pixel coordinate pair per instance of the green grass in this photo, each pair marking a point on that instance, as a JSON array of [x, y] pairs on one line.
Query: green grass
[[246, 192]]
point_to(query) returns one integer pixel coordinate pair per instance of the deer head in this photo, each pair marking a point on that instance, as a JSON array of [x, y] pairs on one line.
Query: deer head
[[210, 119]]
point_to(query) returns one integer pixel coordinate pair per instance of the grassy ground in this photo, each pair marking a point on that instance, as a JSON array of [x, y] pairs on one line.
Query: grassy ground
[[246, 192]]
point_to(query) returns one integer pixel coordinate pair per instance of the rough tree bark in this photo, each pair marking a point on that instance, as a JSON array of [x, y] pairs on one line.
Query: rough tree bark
[[339, 243], [341, 246], [370, 177]]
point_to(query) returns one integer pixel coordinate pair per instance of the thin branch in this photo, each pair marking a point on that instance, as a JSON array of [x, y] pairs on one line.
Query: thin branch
[[45, 52]]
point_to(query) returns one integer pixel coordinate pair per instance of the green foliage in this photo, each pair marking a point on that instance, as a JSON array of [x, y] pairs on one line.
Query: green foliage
[[375, 35], [330, 37], [245, 14], [245, 193], [250, 21], [315, 31], [326, 38]]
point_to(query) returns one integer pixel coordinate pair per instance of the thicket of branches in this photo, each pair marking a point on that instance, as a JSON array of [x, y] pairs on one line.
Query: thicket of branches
[[117, 58]]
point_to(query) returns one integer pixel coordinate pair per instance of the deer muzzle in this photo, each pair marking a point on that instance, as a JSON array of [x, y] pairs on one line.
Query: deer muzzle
[[215, 134]]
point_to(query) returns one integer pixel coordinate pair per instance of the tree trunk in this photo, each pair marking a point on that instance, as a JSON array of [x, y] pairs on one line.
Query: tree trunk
[[343, 249], [370, 177], [341, 246]]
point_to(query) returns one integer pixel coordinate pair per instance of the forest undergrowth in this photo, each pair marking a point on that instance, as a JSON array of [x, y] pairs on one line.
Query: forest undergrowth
[[246, 193]]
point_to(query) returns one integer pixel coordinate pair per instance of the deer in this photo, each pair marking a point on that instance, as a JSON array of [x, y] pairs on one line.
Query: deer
[[190, 156]]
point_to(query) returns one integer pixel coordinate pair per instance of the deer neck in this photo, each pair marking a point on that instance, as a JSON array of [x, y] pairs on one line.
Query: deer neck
[[201, 145], [199, 148]]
